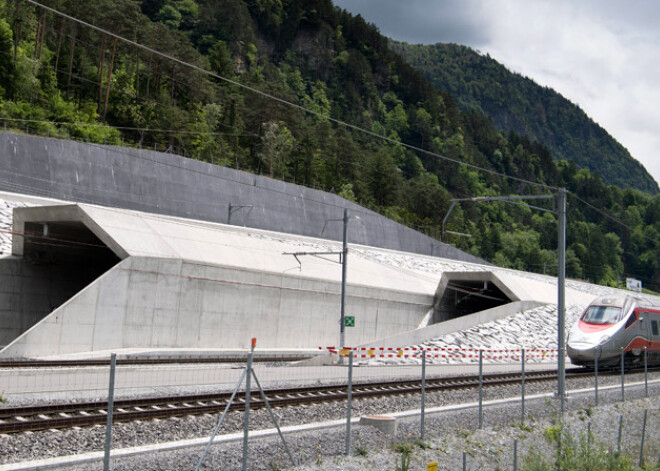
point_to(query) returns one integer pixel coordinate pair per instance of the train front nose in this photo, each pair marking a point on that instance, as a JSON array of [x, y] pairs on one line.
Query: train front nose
[[581, 352]]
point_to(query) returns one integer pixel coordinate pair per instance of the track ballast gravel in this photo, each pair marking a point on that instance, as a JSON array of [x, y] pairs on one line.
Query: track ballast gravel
[[447, 434]]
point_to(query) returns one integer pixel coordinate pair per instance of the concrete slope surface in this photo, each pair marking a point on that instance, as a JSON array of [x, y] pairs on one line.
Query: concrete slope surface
[[162, 282]]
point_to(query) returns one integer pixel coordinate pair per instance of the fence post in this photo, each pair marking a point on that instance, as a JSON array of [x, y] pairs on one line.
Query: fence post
[[646, 372], [111, 406], [481, 387], [423, 394], [246, 420], [515, 455], [464, 461], [349, 403], [618, 440], [641, 446], [596, 377], [522, 402], [623, 372]]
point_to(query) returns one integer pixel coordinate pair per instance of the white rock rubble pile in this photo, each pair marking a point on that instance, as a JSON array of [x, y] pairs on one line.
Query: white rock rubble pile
[[6, 209], [535, 329]]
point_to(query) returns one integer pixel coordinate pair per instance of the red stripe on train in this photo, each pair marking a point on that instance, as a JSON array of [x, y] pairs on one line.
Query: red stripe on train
[[639, 342]]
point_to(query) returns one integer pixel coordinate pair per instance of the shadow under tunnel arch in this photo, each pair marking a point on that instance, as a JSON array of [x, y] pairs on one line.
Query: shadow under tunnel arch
[[462, 293], [51, 263]]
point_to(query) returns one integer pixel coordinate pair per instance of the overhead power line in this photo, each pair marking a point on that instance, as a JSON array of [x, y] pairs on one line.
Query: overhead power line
[[286, 102], [315, 113], [129, 128], [608, 216]]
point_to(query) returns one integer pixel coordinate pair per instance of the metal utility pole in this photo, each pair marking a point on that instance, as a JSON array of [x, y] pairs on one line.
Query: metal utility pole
[[444, 221], [561, 298], [560, 211], [343, 259]]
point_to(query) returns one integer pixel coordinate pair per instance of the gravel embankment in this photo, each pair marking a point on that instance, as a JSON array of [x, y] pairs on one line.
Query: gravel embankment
[[448, 434]]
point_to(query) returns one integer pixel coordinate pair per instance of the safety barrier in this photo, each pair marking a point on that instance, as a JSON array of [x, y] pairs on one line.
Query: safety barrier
[[443, 353]]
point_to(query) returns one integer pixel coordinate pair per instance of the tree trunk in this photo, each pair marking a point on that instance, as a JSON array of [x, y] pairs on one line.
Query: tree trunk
[[37, 36], [107, 87], [149, 72], [72, 47], [42, 39], [60, 34], [17, 29], [131, 67], [100, 74], [172, 92], [157, 75], [137, 74], [17, 32]]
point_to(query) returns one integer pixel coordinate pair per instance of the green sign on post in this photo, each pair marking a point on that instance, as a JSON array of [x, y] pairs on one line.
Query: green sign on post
[[349, 321]]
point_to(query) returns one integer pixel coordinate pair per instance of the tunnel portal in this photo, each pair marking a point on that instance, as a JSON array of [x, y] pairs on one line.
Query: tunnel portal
[[459, 295]]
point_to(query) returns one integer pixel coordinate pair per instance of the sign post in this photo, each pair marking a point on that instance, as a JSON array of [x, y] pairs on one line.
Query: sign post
[[634, 285]]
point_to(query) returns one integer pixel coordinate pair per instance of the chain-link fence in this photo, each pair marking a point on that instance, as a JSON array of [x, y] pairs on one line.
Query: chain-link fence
[[108, 416]]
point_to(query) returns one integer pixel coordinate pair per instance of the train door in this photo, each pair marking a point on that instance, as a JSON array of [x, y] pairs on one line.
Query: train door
[[654, 337], [636, 335]]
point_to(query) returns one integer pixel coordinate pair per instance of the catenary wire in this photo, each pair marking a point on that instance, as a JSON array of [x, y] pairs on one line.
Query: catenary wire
[[138, 155], [291, 104], [286, 102], [128, 128], [267, 95], [608, 216], [24, 187]]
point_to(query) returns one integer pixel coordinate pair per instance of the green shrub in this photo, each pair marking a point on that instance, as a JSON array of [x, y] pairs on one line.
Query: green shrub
[[578, 455], [405, 448], [361, 450]]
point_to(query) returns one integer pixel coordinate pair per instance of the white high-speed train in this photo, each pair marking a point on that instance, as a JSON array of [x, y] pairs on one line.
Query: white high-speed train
[[611, 325]]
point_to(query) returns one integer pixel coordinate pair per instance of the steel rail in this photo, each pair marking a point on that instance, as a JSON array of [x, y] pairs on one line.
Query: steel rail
[[57, 416]]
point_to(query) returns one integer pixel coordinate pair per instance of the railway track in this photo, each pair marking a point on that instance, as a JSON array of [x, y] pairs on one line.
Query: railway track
[[148, 361], [59, 416]]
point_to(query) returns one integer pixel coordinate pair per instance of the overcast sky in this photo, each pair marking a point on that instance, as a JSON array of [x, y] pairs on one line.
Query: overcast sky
[[603, 55]]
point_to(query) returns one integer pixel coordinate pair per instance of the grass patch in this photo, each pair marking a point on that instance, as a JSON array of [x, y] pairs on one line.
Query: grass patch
[[578, 454]]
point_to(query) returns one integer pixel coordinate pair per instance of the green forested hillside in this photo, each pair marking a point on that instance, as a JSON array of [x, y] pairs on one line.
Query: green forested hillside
[[481, 84], [68, 80]]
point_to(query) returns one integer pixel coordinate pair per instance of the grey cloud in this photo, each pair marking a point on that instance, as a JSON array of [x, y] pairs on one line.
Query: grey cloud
[[421, 21], [640, 14], [601, 54]]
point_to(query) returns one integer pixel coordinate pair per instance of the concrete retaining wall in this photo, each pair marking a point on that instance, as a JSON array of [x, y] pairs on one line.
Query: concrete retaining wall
[[167, 184], [163, 303]]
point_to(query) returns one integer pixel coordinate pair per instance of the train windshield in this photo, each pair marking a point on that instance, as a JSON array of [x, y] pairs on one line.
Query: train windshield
[[602, 315]]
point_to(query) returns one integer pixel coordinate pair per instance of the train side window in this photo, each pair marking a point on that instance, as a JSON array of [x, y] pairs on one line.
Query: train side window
[[631, 320], [654, 327]]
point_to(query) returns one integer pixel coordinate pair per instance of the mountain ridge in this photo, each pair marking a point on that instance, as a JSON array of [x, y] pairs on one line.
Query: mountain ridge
[[517, 103], [278, 79]]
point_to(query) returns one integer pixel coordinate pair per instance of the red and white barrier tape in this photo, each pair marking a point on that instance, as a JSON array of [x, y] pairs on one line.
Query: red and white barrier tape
[[448, 353]]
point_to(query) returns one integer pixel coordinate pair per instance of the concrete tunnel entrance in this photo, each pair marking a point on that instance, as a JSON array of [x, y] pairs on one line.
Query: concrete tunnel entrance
[[59, 259], [461, 294]]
